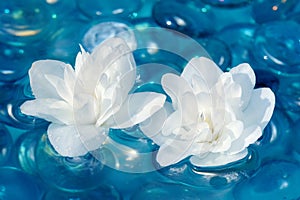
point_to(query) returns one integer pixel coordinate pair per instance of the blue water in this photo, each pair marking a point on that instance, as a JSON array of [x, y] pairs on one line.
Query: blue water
[[264, 33]]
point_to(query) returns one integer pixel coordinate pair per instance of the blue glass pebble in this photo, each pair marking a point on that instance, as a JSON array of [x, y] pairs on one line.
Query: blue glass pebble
[[98, 9], [270, 10], [64, 43], [26, 146], [15, 62], [227, 3], [275, 180], [239, 38], [102, 30], [188, 17], [6, 145], [66, 173], [277, 45], [218, 51], [104, 192], [25, 22], [16, 185]]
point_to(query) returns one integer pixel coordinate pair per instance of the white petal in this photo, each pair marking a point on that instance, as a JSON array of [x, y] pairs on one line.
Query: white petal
[[85, 108], [175, 86], [41, 87], [49, 109], [113, 96], [244, 75], [216, 159], [113, 58], [204, 68], [91, 136], [172, 123], [249, 136], [137, 108], [260, 108], [173, 152], [152, 127], [66, 140]]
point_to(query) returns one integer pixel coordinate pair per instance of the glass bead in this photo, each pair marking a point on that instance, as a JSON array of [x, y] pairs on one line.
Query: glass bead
[[277, 48], [270, 10], [26, 146], [171, 190], [275, 180], [74, 174], [239, 38], [104, 192], [62, 9], [222, 178], [277, 45], [218, 51], [25, 22], [64, 42], [15, 62], [276, 136], [16, 184], [98, 9], [100, 31], [265, 78], [156, 46], [188, 17], [11, 115], [6, 144], [227, 3]]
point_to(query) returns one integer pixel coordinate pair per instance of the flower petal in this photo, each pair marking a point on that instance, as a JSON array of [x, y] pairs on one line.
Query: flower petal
[[249, 136], [244, 75], [260, 108], [92, 137], [173, 151], [110, 60], [153, 125], [51, 110], [204, 68], [41, 86], [75, 141], [216, 159], [66, 140], [137, 108]]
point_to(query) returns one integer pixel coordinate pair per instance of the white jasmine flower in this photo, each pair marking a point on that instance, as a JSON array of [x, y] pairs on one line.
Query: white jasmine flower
[[214, 116], [82, 104]]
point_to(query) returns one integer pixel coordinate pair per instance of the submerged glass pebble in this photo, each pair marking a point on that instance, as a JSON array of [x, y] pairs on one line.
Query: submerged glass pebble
[[188, 17], [75, 174], [11, 114], [64, 43], [15, 185], [275, 180], [24, 22], [270, 10], [26, 146], [15, 62], [218, 51], [239, 38], [97, 9], [277, 47], [220, 177], [104, 192], [100, 31], [227, 3], [5, 146]]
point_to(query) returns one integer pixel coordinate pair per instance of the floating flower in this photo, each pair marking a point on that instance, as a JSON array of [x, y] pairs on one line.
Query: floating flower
[[214, 116], [83, 104]]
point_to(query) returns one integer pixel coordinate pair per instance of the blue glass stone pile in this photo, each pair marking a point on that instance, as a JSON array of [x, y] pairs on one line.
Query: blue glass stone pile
[[264, 33]]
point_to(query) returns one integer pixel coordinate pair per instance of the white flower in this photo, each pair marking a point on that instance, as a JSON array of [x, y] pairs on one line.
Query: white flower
[[214, 116], [83, 104]]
